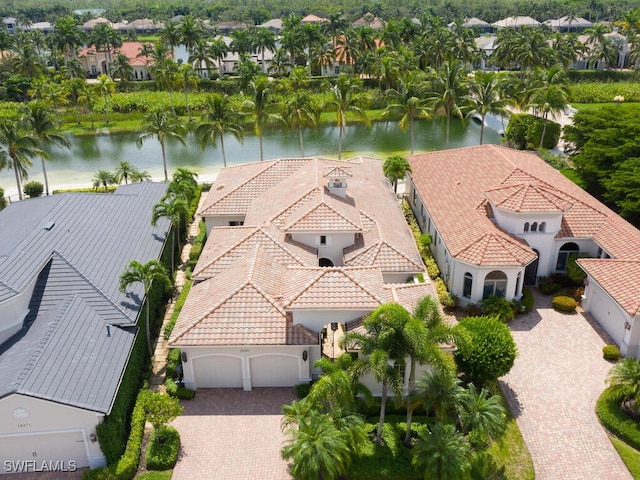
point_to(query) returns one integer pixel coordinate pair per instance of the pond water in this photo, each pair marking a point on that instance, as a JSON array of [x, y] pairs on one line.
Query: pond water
[[76, 166]]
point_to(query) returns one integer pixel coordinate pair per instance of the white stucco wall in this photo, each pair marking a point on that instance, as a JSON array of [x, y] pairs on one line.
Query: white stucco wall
[[333, 249], [245, 353], [316, 320], [222, 221], [456, 286], [13, 311], [42, 416], [514, 222], [376, 387]]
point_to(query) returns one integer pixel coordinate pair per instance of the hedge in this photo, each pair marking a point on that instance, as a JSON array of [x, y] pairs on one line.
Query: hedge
[[609, 75], [524, 132], [196, 247], [527, 300], [563, 303], [615, 420], [168, 328], [163, 456], [611, 352], [595, 92], [3, 200]]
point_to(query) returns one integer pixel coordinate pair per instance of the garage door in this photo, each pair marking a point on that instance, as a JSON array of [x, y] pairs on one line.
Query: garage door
[[49, 451], [274, 371], [217, 371]]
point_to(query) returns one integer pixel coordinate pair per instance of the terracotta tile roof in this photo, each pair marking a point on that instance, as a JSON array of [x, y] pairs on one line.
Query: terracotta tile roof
[[334, 288], [225, 245], [619, 278], [324, 216], [371, 249], [496, 249], [458, 206], [527, 197], [332, 171]]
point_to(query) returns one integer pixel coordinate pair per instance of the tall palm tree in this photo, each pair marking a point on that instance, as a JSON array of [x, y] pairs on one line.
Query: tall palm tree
[[146, 274], [104, 178], [220, 116], [260, 107], [105, 87], [549, 97], [161, 125], [299, 112], [68, 36], [171, 35], [121, 68], [485, 97], [125, 171], [174, 208], [280, 63], [165, 71], [450, 93], [190, 30], [344, 98], [41, 119], [264, 39], [17, 148], [442, 453], [77, 91], [311, 36], [201, 56], [382, 350], [102, 37], [408, 102], [624, 377], [183, 183], [217, 50], [241, 41], [188, 79]]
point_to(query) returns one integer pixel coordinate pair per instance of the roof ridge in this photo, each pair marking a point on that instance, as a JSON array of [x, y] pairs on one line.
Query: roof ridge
[[250, 233], [399, 252], [359, 284], [314, 279]]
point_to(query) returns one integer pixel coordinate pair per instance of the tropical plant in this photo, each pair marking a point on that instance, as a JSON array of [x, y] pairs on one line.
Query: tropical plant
[[124, 171], [220, 116], [105, 87], [450, 93], [146, 274], [161, 125], [481, 415], [33, 189], [104, 178], [344, 98], [624, 378], [260, 107], [160, 409], [174, 208], [298, 112], [442, 453], [17, 148], [396, 168], [497, 306], [485, 97], [439, 393]]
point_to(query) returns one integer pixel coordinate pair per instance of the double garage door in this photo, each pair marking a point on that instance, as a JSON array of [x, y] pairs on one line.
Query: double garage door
[[265, 371], [42, 452]]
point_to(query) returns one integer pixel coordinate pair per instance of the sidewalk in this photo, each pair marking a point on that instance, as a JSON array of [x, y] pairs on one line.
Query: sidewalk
[[161, 350]]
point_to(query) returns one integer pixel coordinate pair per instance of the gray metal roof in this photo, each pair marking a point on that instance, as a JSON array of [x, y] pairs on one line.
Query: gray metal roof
[[63, 352]]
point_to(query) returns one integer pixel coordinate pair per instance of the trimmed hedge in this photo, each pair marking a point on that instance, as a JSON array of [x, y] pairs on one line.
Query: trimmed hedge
[[33, 189], [527, 301], [163, 456], [447, 299], [168, 328], [609, 75], [196, 247], [563, 303], [615, 420], [524, 132], [611, 352]]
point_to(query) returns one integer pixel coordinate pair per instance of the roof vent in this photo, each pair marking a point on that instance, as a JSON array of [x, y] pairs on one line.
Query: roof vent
[[48, 226]]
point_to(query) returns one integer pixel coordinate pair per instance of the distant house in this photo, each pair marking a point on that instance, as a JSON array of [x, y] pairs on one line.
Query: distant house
[[298, 250], [95, 62], [480, 26], [10, 23], [501, 218], [568, 24], [369, 20], [516, 22], [225, 28], [66, 330], [275, 25], [314, 19]]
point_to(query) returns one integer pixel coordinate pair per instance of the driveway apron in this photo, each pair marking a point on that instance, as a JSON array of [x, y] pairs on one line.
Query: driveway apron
[[552, 391], [229, 434]]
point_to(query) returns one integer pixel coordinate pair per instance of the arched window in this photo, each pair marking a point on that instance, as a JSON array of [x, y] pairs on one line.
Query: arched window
[[534, 227], [325, 262], [495, 283], [563, 255], [543, 227], [526, 226], [468, 284]]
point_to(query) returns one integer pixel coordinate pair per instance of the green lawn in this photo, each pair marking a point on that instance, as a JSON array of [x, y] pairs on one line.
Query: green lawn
[[629, 455], [589, 107]]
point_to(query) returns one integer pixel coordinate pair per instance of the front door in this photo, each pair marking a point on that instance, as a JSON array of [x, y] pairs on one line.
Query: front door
[[531, 272]]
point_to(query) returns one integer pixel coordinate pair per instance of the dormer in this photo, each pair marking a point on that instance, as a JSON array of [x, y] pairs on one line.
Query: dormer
[[337, 180]]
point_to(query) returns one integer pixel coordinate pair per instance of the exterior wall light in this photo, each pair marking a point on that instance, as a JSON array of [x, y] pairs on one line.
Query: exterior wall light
[[183, 355], [304, 355], [93, 438]]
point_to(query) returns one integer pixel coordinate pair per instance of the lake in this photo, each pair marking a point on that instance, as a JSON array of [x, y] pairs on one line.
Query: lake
[[76, 166]]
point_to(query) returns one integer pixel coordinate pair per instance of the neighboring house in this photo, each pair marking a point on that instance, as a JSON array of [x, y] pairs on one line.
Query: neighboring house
[[313, 19], [568, 24], [501, 218], [95, 62], [10, 23], [369, 20], [623, 50], [293, 246], [275, 25], [44, 27], [66, 331], [480, 26], [516, 22], [225, 28]]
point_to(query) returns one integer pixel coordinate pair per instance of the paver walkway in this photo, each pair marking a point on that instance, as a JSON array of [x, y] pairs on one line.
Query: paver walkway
[[552, 390], [229, 434]]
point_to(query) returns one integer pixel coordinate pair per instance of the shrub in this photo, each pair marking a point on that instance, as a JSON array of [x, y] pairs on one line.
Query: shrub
[[563, 303], [33, 189], [173, 361], [614, 419], [432, 267], [527, 301], [611, 352], [576, 294], [447, 299], [196, 247], [491, 352], [302, 389], [185, 393], [574, 272], [525, 130], [550, 288], [163, 449], [495, 306], [598, 92], [3, 201], [177, 308]]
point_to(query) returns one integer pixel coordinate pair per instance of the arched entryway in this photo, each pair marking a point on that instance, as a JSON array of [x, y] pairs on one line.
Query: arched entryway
[[531, 272], [325, 262], [495, 283], [563, 255]]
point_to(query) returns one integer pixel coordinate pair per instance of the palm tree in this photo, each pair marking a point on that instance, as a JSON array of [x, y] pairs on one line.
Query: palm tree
[[122, 68], [408, 102], [77, 91], [298, 112], [165, 71], [147, 273], [17, 148], [188, 79], [450, 94], [344, 98], [264, 39], [259, 106], [105, 87], [481, 414], [102, 37], [241, 41], [104, 178], [317, 449], [280, 64], [220, 116], [125, 171], [485, 97], [190, 30], [161, 125], [174, 208], [201, 56], [217, 50], [171, 35], [442, 453], [68, 36], [184, 183], [6, 42], [548, 94], [624, 378], [382, 350], [42, 120], [395, 168], [311, 35], [440, 391]]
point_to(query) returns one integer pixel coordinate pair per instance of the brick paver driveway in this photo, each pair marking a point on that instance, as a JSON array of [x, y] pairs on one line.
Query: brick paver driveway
[[228, 434], [552, 390]]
